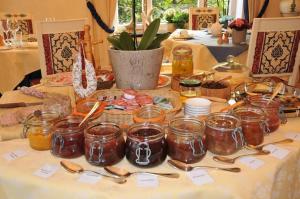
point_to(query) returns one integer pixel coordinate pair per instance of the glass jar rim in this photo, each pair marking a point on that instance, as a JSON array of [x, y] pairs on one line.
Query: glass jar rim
[[108, 136], [187, 132], [261, 101], [138, 115], [190, 82], [145, 125], [212, 116], [44, 119], [70, 129], [260, 114]]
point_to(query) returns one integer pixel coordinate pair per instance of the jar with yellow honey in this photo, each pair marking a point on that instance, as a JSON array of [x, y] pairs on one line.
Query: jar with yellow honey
[[37, 128], [182, 64]]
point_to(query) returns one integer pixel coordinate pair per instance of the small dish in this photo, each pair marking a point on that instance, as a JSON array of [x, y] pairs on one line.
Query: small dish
[[163, 81]]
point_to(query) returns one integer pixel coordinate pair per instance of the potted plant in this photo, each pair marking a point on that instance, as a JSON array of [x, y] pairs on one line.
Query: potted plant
[[239, 30], [137, 65], [169, 17], [181, 19]]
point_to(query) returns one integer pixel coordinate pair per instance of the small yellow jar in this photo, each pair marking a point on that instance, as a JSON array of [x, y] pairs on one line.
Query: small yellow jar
[[182, 64]]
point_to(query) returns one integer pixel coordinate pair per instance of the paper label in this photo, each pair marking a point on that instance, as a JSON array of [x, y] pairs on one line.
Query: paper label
[[294, 136], [276, 151], [146, 180], [89, 177], [252, 162], [200, 177], [46, 171], [14, 155]]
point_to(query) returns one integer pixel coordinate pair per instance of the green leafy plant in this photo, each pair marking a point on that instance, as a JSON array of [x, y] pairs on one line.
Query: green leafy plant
[[180, 19], [169, 15]]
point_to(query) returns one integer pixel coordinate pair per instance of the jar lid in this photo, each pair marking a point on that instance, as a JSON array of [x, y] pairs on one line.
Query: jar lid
[[187, 126], [223, 121], [190, 82]]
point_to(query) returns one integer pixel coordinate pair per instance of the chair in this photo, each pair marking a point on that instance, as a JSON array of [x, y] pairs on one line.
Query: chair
[[274, 48], [58, 44], [24, 21], [200, 18]]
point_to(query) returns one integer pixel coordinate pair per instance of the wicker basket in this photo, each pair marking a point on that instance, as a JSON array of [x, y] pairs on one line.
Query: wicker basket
[[126, 117]]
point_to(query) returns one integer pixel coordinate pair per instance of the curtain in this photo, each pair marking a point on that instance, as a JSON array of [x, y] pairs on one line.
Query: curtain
[[107, 11], [236, 8], [256, 5]]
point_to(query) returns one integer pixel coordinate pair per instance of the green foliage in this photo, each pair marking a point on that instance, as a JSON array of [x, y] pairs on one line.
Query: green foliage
[[150, 39], [180, 19]]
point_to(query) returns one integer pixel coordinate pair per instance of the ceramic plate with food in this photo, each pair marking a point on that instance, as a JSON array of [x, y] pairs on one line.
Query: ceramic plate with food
[[163, 81]]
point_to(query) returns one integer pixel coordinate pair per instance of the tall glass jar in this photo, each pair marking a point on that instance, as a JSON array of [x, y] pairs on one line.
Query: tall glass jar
[[274, 114], [182, 64], [37, 128], [254, 123], [146, 145], [223, 134], [67, 139], [186, 139], [104, 144]]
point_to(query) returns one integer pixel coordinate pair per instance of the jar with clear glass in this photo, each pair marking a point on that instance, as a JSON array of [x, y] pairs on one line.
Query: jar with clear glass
[[68, 138], [145, 144], [189, 87], [254, 123], [274, 114], [186, 139], [223, 134], [149, 113], [37, 128], [182, 64], [104, 144]]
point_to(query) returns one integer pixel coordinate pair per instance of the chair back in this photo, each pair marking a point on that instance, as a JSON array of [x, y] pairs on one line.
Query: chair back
[[274, 48], [200, 18], [58, 44]]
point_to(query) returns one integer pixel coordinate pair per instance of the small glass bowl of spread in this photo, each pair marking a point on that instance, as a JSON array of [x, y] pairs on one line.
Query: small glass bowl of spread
[[37, 128], [190, 87], [68, 139], [186, 139], [223, 134], [146, 145], [254, 123], [104, 144]]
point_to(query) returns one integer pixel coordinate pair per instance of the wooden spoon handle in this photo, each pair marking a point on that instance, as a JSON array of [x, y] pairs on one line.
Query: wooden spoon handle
[[232, 106]]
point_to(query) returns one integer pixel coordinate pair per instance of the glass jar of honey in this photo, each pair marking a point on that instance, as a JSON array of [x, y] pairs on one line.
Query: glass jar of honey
[[186, 139], [254, 123], [37, 128], [189, 87], [68, 139], [182, 64], [104, 144], [274, 114], [149, 113], [146, 145], [223, 134]]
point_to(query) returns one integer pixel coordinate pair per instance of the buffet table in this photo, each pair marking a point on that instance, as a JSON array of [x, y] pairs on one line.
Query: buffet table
[[16, 63], [26, 173]]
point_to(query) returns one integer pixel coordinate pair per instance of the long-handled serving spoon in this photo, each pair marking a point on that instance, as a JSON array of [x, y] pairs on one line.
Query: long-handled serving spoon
[[95, 107], [232, 160], [124, 173], [259, 148], [76, 168], [185, 167]]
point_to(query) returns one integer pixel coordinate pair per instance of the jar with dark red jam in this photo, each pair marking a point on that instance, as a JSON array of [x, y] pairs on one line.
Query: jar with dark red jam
[[186, 139], [104, 144], [254, 124], [274, 115], [223, 134], [146, 145], [68, 140]]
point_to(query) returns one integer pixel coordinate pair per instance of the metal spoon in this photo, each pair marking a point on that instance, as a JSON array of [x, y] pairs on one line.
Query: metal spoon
[[124, 173], [259, 148], [185, 167], [232, 160], [95, 107], [76, 168]]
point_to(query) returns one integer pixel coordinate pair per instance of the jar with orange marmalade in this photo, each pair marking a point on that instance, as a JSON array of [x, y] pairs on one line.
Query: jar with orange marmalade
[[37, 128], [182, 64]]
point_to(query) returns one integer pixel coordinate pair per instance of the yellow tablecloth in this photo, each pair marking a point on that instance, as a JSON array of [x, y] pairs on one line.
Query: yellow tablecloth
[[276, 179], [15, 64]]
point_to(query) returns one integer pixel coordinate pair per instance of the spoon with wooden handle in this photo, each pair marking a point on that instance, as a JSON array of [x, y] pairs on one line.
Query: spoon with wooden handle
[[277, 89], [232, 160]]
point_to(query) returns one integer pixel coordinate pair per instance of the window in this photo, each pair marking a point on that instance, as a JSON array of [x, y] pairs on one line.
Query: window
[[160, 6]]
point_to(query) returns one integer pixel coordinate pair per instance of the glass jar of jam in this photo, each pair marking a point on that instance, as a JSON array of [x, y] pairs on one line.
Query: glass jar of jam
[[37, 128], [68, 139], [274, 114], [186, 139], [145, 144], [254, 124], [223, 134], [182, 64], [104, 144], [149, 113]]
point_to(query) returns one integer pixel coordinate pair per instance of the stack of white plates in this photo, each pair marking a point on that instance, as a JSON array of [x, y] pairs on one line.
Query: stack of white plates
[[197, 107]]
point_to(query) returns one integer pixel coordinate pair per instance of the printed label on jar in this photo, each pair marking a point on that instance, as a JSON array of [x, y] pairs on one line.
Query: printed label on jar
[[143, 153], [93, 146]]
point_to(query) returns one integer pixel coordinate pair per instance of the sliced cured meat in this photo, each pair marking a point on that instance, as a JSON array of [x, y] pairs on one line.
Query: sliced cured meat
[[119, 102], [129, 94]]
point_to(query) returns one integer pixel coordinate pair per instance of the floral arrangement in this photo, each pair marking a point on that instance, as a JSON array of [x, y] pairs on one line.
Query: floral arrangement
[[239, 24]]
